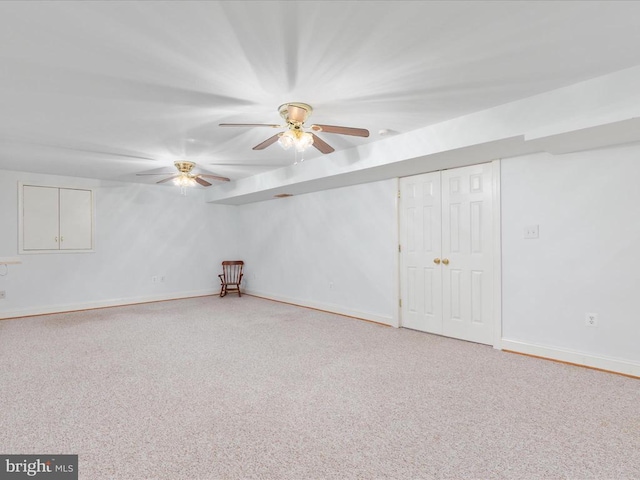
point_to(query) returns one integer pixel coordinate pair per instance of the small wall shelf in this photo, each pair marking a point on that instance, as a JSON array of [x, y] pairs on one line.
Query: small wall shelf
[[9, 260]]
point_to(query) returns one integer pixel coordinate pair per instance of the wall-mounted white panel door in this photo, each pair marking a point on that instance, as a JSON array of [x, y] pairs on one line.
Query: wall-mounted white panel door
[[40, 218], [446, 259], [467, 252], [420, 237], [76, 211]]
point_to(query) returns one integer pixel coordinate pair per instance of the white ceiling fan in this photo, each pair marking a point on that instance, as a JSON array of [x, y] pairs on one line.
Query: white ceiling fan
[[186, 177], [296, 114]]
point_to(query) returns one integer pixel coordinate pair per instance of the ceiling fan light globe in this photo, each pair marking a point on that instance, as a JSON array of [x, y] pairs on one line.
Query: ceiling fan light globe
[[304, 141], [287, 139], [184, 181]]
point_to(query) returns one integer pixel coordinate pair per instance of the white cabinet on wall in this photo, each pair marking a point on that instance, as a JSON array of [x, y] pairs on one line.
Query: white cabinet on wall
[[54, 219]]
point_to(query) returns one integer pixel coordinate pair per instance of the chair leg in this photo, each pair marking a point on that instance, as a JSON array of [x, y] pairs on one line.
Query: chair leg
[[223, 291]]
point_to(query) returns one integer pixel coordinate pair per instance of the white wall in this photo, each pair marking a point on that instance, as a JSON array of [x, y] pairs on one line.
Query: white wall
[[141, 231], [587, 258], [333, 249]]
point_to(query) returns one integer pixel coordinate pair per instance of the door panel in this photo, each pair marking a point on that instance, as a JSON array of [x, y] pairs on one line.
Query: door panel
[[454, 228], [467, 244], [429, 283], [411, 296], [76, 213], [476, 296], [455, 279], [421, 287], [40, 218]]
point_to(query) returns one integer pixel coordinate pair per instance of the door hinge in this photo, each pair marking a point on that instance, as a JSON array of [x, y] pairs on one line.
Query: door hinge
[[398, 193], [400, 248], [400, 302]]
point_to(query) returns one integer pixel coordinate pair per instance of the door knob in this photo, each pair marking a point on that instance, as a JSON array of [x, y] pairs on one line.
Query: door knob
[[436, 261], [445, 261]]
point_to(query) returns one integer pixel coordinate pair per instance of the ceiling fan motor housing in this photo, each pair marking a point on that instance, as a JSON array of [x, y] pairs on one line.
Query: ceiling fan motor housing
[[295, 113], [184, 166]]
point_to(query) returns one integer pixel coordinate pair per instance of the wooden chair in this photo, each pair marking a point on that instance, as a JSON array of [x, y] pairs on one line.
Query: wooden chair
[[231, 276]]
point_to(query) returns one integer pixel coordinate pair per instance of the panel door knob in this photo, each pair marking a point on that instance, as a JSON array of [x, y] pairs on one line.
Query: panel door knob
[[445, 261], [436, 261]]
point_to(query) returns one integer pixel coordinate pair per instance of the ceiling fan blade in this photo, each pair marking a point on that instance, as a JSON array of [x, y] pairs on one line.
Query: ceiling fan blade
[[240, 165], [215, 177], [272, 125], [201, 181], [267, 142], [356, 132], [321, 145], [164, 173], [167, 179]]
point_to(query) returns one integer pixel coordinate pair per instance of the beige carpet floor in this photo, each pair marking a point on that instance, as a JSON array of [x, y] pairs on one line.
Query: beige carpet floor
[[234, 388]]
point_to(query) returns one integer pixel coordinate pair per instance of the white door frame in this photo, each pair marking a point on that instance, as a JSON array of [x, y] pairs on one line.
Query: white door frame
[[395, 321], [497, 257]]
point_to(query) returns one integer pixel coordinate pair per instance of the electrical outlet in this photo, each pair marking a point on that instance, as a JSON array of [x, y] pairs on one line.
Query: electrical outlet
[[3, 294], [162, 279], [154, 279], [532, 231], [591, 319], [331, 285]]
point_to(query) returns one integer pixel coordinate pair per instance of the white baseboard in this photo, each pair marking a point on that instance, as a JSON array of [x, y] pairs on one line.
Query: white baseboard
[[325, 307], [116, 302], [569, 356]]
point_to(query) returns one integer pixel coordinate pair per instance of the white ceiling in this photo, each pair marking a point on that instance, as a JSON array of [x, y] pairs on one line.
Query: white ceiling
[[109, 89]]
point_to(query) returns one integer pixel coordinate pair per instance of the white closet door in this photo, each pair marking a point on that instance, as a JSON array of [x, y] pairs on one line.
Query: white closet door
[[40, 218], [467, 278], [76, 211], [446, 281], [420, 237]]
